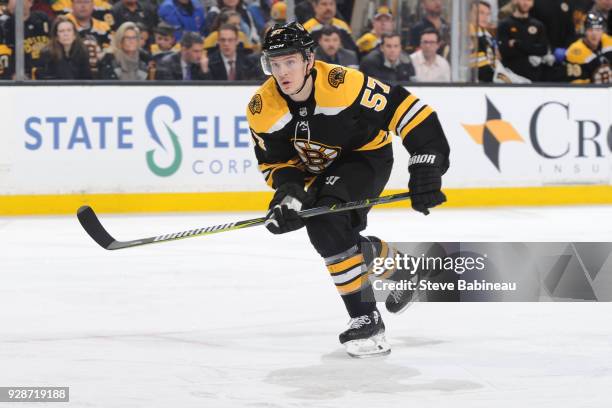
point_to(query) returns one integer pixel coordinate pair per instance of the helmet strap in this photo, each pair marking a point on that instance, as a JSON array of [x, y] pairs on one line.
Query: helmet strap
[[308, 74]]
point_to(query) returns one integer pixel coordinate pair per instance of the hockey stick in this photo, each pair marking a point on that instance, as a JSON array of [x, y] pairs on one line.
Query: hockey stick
[[90, 222]]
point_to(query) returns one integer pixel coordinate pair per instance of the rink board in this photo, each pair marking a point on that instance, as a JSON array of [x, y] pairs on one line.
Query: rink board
[[188, 148]]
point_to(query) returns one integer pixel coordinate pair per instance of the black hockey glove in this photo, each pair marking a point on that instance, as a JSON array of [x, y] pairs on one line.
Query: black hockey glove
[[425, 183], [288, 200]]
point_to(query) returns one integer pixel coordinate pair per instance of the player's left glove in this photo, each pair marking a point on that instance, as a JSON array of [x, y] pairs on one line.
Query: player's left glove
[[288, 200], [425, 183]]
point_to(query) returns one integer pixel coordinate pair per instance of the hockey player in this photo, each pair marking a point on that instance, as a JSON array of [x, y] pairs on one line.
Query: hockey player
[[322, 137], [589, 60]]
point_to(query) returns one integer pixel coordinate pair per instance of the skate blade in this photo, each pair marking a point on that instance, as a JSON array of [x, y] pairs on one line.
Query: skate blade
[[374, 346]]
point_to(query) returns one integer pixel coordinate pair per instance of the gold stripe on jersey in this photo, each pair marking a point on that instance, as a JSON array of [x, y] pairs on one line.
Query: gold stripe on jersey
[[401, 110], [337, 87], [272, 112], [382, 139], [416, 121], [268, 169]]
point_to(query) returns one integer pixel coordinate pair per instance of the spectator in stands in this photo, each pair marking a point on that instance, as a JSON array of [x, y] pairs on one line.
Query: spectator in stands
[[557, 17], [65, 57], [303, 10], [36, 36], [189, 64], [247, 21], [389, 63], [483, 53], [43, 6], [428, 65], [432, 18], [6, 56], [325, 12], [230, 63], [102, 9], [522, 42], [183, 15], [278, 15], [232, 17], [132, 10], [604, 9], [165, 42], [382, 23], [330, 49], [124, 60], [89, 28], [589, 60]]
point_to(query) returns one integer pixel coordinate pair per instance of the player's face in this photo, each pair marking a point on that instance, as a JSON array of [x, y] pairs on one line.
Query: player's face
[[484, 16], [429, 44], [391, 48], [164, 42], [228, 42], [82, 9], [330, 44], [289, 72], [65, 33], [325, 10], [382, 25], [593, 36], [130, 42]]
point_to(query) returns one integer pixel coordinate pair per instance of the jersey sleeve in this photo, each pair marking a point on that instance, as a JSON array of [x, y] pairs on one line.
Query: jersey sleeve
[[394, 109]]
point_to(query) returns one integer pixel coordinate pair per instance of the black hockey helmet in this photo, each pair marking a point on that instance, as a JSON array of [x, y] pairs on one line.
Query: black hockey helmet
[[594, 20], [285, 39]]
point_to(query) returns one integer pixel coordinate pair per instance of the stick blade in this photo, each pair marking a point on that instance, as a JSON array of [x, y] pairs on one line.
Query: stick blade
[[90, 223]]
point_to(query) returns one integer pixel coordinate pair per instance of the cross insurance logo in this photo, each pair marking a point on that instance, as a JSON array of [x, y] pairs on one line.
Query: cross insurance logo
[[564, 142], [161, 134]]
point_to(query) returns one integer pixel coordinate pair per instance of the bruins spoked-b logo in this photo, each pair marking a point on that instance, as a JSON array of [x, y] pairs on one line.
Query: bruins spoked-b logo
[[256, 104], [336, 76], [493, 133], [315, 156]]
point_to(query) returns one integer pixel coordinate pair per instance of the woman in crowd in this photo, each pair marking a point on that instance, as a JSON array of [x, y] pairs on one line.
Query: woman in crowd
[[124, 60], [65, 57]]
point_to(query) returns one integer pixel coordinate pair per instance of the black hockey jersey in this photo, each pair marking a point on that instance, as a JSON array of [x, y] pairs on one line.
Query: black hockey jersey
[[346, 112]]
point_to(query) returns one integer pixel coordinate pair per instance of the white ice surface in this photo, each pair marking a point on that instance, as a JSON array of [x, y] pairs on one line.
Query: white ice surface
[[246, 319]]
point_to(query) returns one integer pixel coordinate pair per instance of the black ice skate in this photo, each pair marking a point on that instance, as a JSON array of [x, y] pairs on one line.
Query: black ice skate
[[398, 300], [365, 336]]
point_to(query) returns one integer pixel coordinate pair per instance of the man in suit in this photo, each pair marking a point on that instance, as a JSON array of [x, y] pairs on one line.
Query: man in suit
[[330, 49], [190, 63], [229, 63]]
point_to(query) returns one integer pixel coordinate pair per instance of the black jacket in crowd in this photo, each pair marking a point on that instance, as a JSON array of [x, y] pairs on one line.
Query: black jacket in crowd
[[529, 37], [75, 66], [109, 68], [373, 64], [169, 69], [247, 67], [557, 17]]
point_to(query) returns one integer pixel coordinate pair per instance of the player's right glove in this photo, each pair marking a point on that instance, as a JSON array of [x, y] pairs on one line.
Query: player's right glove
[[282, 216], [425, 183]]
